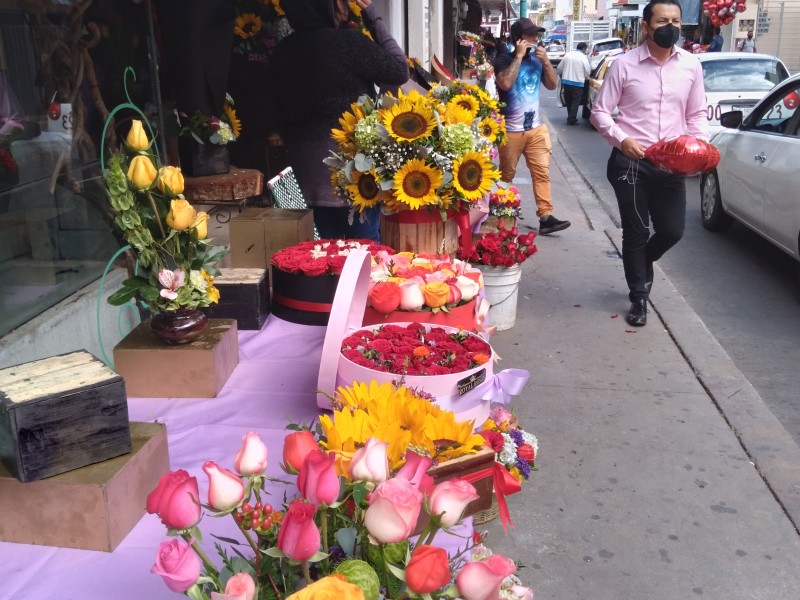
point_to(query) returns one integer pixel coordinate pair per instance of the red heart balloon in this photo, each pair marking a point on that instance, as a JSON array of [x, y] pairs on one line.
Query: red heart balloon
[[684, 155], [791, 100]]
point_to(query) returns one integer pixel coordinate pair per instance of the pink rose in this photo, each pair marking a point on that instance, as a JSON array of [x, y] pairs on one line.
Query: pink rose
[[225, 489], [416, 471], [176, 500], [298, 537], [296, 447], [522, 592], [411, 297], [177, 564], [481, 580], [239, 587], [393, 511], [318, 482], [252, 458], [451, 498], [370, 462]]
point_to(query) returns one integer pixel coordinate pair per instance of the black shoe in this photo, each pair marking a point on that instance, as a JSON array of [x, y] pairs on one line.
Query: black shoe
[[575, 122], [550, 224], [637, 315]]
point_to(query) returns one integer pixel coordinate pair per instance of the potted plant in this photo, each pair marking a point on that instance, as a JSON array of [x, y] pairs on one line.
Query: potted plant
[[203, 139]]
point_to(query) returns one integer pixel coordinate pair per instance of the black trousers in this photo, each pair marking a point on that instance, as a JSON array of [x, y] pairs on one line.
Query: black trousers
[[572, 99], [646, 193]]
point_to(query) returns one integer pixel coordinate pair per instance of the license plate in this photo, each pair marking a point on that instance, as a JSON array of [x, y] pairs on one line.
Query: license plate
[[746, 110]]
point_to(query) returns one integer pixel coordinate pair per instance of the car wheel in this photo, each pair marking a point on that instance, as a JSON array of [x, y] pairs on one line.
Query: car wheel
[[714, 218]]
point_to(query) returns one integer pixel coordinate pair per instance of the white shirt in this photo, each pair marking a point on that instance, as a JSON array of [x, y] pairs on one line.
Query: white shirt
[[574, 68]]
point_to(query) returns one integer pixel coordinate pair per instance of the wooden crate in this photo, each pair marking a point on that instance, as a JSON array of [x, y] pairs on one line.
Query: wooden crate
[[243, 295], [430, 236], [61, 413]]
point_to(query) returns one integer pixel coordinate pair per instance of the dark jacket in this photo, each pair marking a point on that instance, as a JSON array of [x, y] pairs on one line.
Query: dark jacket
[[316, 73]]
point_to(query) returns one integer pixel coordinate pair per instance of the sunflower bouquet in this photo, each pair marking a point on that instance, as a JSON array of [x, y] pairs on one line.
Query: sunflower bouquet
[[207, 129], [259, 26], [491, 123], [410, 151]]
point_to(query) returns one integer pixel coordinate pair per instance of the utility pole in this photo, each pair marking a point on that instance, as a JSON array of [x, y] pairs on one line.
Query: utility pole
[[780, 32], [523, 8]]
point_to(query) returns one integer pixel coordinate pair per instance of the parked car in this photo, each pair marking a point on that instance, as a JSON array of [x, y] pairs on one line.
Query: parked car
[[756, 179], [555, 52], [595, 81], [599, 49], [736, 81]]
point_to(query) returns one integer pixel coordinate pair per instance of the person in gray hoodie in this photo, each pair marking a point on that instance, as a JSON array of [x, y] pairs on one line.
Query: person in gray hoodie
[[317, 72]]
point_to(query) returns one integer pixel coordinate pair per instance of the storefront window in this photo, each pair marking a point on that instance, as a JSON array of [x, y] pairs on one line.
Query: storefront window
[[61, 67]]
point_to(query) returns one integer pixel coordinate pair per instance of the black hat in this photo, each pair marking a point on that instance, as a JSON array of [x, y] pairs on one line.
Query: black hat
[[525, 26]]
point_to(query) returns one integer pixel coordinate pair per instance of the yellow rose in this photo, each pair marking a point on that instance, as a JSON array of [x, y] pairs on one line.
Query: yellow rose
[[181, 214], [172, 178], [329, 588], [200, 223], [435, 293], [141, 172], [137, 138]]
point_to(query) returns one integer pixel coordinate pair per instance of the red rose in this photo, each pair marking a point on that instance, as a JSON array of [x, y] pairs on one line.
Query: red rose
[[315, 267], [526, 453], [337, 264], [352, 342], [353, 355], [494, 439], [428, 570], [438, 370], [385, 297], [382, 346]]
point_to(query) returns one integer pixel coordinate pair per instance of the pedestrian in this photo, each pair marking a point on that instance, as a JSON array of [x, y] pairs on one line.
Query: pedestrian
[[574, 71], [716, 41], [658, 89], [317, 72], [748, 44], [518, 75]]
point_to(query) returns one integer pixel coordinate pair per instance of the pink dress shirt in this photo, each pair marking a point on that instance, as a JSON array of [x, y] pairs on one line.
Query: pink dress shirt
[[655, 101]]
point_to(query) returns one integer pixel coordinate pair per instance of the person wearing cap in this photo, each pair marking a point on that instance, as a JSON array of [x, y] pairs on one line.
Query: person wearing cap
[[518, 76], [574, 70]]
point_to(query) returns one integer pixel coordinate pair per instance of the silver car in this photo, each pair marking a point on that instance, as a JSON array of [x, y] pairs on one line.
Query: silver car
[[756, 180]]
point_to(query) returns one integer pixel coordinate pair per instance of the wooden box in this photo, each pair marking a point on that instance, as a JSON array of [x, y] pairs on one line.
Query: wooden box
[[257, 233], [61, 413], [243, 295], [92, 508], [198, 369], [420, 231]]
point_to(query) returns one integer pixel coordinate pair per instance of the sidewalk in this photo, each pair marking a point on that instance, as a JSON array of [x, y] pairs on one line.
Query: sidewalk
[[662, 475]]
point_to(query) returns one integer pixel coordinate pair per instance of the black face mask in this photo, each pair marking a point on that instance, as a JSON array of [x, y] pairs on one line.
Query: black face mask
[[666, 36]]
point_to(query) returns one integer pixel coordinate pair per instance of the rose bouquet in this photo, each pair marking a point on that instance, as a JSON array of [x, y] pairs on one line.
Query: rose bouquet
[[323, 257], [176, 262], [411, 152], [516, 448], [504, 203], [416, 350], [335, 537], [410, 282], [503, 248]]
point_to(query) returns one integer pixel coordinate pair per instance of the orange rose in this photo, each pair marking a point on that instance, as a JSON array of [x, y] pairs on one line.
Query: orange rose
[[435, 293], [385, 297]]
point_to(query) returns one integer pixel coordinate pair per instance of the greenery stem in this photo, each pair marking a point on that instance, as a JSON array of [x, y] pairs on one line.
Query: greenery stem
[[253, 545], [210, 568], [306, 571], [385, 569], [324, 529], [156, 216]]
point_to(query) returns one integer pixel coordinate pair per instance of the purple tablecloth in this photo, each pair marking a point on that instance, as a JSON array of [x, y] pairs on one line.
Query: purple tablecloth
[[274, 384]]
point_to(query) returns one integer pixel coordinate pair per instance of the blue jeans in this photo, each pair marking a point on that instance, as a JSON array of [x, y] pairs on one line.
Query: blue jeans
[[331, 223]]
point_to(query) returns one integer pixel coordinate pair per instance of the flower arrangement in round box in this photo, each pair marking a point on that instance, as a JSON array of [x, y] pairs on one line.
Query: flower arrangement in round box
[[453, 366], [423, 288], [305, 276], [423, 159]]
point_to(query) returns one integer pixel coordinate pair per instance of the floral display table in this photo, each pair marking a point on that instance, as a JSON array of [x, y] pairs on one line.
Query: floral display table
[[273, 384]]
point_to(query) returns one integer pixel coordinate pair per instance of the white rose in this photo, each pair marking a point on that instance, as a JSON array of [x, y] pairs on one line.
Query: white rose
[[469, 288], [411, 297]]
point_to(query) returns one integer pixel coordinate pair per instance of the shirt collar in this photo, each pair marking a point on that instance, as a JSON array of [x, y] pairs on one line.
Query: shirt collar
[[644, 53]]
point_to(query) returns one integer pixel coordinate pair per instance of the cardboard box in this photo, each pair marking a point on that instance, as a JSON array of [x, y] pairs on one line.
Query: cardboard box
[[92, 508], [257, 233], [61, 413], [198, 369], [243, 295]]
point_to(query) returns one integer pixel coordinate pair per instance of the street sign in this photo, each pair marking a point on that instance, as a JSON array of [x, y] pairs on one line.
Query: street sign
[[762, 24]]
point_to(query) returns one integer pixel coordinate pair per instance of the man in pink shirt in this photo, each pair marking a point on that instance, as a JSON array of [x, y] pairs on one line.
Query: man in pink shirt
[[658, 89]]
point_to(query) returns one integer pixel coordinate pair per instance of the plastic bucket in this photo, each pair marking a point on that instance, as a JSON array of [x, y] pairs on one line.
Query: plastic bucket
[[501, 285]]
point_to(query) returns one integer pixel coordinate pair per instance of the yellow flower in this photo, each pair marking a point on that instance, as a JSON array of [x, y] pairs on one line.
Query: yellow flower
[[459, 435], [415, 183], [408, 121], [455, 113], [181, 214], [345, 136], [435, 293], [137, 138], [354, 8], [467, 102], [473, 175], [365, 192], [200, 225], [332, 587], [247, 25], [141, 172], [236, 124], [172, 178], [489, 128], [276, 4]]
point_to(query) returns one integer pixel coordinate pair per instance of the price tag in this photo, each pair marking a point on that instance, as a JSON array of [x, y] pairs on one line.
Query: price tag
[[59, 118]]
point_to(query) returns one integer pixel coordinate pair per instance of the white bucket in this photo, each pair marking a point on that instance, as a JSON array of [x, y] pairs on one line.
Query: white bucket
[[501, 285]]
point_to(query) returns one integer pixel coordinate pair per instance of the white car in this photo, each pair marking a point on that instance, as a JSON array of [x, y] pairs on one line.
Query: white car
[[555, 52], [736, 81], [599, 49], [756, 179]]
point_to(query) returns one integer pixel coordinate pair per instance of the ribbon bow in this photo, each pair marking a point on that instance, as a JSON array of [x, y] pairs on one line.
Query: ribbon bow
[[505, 384], [482, 307], [504, 484]]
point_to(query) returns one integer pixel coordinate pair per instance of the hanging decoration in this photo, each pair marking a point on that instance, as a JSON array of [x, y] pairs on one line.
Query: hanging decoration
[[722, 12]]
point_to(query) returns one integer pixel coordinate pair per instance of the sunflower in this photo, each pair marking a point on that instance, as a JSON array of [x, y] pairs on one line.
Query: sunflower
[[455, 113], [489, 128], [276, 4], [365, 191], [468, 102], [230, 116], [415, 183], [408, 121], [354, 8], [443, 427], [345, 137], [247, 25], [473, 175]]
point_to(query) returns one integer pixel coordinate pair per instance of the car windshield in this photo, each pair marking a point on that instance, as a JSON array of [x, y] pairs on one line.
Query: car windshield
[[555, 48], [605, 46], [736, 75]]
